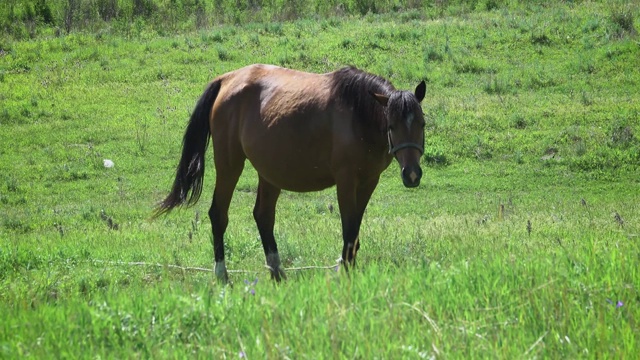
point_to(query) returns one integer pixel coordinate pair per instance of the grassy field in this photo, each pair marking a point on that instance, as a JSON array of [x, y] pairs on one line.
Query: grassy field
[[521, 242]]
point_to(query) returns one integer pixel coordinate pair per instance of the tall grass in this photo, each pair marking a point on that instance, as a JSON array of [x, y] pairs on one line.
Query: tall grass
[[25, 18], [22, 19], [520, 243]]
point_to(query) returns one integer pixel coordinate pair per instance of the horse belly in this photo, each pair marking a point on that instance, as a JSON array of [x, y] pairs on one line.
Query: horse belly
[[294, 177], [292, 158]]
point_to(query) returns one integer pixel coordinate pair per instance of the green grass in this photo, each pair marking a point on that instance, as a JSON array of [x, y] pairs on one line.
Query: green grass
[[520, 242]]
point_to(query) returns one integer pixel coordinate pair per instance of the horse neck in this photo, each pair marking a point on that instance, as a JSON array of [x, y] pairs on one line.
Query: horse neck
[[372, 130]]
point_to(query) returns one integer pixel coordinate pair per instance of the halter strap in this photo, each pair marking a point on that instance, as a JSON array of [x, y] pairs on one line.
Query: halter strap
[[394, 149]]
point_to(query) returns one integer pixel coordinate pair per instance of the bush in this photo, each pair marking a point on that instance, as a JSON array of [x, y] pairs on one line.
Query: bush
[[622, 18], [168, 15], [622, 135], [107, 9], [43, 12]]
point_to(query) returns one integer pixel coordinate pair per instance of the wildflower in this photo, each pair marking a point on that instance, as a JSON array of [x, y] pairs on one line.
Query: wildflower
[[618, 304], [249, 286]]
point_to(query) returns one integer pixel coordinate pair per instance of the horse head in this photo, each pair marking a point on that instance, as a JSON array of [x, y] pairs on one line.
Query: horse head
[[405, 130]]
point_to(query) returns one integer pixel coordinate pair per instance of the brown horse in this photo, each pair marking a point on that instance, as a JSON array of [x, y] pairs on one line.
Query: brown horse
[[301, 132]]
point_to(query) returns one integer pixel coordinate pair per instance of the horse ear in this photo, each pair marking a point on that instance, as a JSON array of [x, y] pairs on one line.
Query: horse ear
[[421, 90], [381, 99]]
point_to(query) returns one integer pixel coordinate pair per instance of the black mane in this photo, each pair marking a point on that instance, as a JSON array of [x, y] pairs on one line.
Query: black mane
[[354, 87]]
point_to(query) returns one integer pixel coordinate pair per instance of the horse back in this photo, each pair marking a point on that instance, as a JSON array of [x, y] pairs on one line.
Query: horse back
[[288, 125]]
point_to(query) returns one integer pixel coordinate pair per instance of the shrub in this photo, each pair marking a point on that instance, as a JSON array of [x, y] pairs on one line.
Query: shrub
[[622, 135], [43, 12], [622, 18], [107, 9]]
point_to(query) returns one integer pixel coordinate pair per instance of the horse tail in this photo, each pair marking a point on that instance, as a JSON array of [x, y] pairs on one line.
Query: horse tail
[[190, 170]]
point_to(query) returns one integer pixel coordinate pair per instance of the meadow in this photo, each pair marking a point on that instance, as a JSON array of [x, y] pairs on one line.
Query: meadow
[[521, 242]]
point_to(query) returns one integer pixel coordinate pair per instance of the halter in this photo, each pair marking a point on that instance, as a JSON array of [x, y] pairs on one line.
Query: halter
[[394, 149]]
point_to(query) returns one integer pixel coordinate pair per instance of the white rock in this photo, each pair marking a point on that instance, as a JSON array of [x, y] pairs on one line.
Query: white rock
[[107, 163]]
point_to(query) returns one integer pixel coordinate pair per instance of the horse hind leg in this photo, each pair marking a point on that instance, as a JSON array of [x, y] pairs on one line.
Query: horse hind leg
[[226, 180], [264, 214]]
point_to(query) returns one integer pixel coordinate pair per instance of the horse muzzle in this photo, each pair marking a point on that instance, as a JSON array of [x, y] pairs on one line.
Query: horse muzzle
[[411, 176]]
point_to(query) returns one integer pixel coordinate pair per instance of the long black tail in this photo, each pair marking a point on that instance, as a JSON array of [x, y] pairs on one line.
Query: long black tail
[[190, 170]]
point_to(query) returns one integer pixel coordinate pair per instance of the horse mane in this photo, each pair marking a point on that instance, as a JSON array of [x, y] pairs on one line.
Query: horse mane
[[353, 87]]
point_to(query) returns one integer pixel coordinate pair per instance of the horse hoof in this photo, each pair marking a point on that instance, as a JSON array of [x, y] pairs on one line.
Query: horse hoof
[[221, 272], [223, 279], [346, 265], [278, 274], [274, 266]]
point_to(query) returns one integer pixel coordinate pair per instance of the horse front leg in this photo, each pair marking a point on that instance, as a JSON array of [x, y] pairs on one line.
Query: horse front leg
[[353, 198]]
